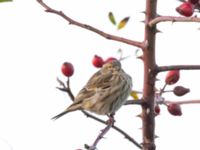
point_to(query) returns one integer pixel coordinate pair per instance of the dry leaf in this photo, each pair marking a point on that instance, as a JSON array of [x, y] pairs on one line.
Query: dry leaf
[[123, 22]]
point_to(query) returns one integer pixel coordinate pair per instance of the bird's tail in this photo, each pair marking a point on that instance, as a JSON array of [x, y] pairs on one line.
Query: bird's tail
[[60, 115], [73, 107]]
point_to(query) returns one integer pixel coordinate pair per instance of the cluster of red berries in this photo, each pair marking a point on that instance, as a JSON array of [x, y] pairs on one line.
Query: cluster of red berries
[[68, 69], [98, 61], [187, 8], [171, 78]]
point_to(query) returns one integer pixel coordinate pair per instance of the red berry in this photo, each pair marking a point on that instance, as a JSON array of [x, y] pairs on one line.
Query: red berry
[[174, 109], [67, 69], [110, 59], [172, 77], [157, 109], [193, 1], [97, 61], [186, 9], [180, 90]]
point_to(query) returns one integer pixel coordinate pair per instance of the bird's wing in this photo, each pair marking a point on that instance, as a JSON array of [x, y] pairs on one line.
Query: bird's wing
[[100, 80], [97, 82]]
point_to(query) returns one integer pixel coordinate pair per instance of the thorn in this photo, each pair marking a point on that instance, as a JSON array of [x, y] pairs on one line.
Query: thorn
[[140, 57], [86, 146], [173, 21], [158, 31], [143, 12], [157, 79], [139, 115], [158, 15], [89, 147]]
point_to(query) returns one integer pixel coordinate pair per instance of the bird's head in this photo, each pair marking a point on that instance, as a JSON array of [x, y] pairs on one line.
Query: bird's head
[[114, 65]]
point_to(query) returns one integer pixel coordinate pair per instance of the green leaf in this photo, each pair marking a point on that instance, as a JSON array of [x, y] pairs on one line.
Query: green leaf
[[5, 1], [123, 23], [111, 18]]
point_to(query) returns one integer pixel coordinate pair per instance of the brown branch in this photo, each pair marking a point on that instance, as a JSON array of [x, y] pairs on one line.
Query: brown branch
[[135, 102], [114, 127], [110, 123], [93, 29], [183, 102], [68, 90], [159, 19], [178, 67]]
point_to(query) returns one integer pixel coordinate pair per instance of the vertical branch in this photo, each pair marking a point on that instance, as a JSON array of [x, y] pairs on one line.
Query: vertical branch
[[149, 77]]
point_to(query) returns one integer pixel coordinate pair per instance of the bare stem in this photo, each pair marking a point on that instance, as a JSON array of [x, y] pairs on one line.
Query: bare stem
[[156, 20], [163, 89], [148, 113], [178, 67], [183, 102], [91, 28]]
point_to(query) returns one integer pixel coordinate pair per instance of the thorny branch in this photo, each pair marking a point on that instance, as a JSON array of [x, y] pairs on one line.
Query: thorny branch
[[114, 127], [68, 90], [91, 28], [155, 21], [110, 123]]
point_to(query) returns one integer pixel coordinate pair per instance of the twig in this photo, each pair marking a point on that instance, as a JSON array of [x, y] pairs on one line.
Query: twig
[[163, 89], [167, 91], [93, 29], [135, 102], [110, 123], [183, 102], [178, 67], [116, 128], [155, 21], [68, 90]]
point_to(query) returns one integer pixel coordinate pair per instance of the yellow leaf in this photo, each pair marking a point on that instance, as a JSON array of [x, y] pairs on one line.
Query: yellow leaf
[[111, 18], [134, 95], [123, 22], [5, 0]]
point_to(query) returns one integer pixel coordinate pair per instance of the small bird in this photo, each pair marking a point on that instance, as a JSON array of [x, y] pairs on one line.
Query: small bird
[[105, 92]]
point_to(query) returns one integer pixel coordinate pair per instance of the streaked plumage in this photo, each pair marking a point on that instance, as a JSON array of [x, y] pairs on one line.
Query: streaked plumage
[[105, 92]]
